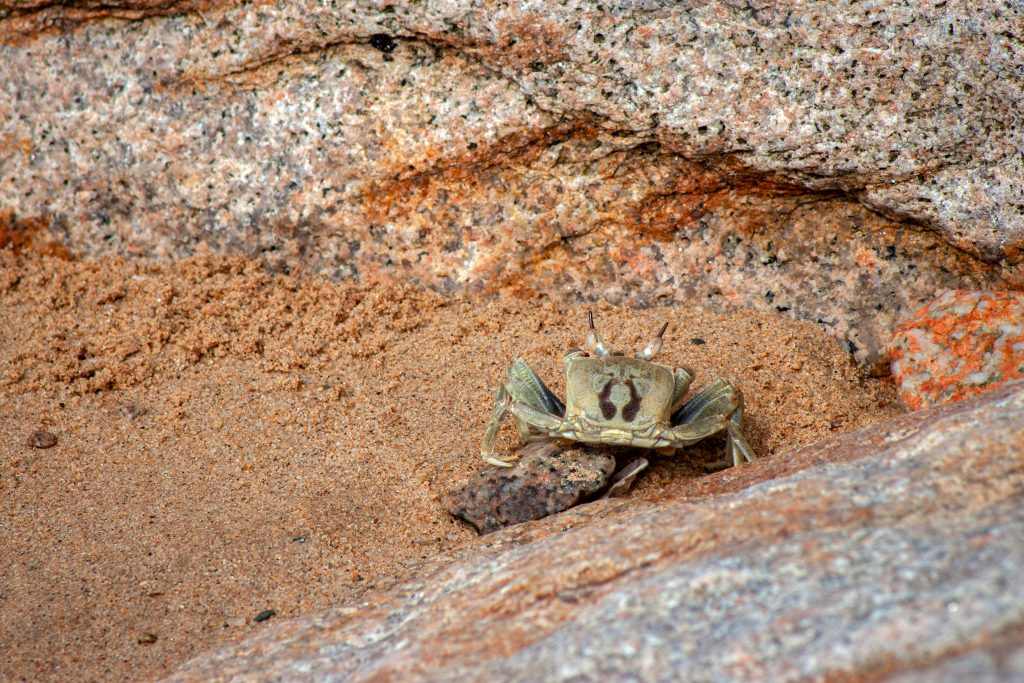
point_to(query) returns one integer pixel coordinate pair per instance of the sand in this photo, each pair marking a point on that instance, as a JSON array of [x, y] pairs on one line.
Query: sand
[[231, 441]]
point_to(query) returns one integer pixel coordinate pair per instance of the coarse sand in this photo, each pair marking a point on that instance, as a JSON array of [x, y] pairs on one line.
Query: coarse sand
[[230, 441]]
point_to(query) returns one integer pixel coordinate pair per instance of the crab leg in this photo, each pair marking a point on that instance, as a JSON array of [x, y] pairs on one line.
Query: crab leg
[[623, 480], [736, 445], [501, 403], [683, 378], [693, 431], [526, 390], [717, 397], [504, 403], [721, 404], [527, 387], [552, 425]]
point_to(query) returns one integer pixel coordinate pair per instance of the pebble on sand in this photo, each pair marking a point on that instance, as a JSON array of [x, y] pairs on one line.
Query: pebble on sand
[[42, 439]]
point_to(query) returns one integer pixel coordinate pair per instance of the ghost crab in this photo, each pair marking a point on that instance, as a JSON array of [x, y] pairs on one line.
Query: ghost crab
[[619, 401]]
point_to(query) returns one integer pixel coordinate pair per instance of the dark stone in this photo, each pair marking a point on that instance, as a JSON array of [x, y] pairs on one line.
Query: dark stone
[[42, 439], [546, 479]]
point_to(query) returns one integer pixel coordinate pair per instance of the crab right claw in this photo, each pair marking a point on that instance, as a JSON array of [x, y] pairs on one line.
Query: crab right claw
[[530, 403]]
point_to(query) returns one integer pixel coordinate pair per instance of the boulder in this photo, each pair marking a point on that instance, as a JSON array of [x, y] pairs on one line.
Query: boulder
[[711, 153], [962, 344], [891, 552]]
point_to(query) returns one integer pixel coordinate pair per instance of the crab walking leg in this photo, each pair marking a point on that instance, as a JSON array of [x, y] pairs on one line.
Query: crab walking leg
[[737, 446], [501, 404], [522, 428], [717, 397], [623, 480], [719, 400], [693, 431], [683, 378], [552, 425], [526, 386]]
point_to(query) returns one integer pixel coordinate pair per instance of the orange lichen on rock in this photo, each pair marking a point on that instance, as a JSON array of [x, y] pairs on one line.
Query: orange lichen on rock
[[962, 344]]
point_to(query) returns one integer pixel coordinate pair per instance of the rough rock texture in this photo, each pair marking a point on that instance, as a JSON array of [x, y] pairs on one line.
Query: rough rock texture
[[546, 479], [891, 552], [643, 152], [961, 344]]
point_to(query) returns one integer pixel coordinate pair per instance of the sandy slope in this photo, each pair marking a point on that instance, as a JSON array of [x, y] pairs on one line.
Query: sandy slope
[[231, 441]]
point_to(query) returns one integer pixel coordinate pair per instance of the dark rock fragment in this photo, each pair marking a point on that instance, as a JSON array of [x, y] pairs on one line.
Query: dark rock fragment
[[264, 615], [130, 410], [546, 479], [42, 439]]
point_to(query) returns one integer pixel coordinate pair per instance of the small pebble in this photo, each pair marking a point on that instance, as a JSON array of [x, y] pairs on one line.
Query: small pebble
[[237, 622], [131, 410], [42, 439], [147, 639], [264, 615]]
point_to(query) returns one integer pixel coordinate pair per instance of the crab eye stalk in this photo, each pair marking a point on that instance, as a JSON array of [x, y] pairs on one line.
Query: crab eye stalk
[[594, 340], [652, 349]]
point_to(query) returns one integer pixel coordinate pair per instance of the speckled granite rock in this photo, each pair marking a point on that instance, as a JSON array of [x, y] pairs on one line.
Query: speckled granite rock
[[547, 478], [960, 345], [889, 552], [642, 152]]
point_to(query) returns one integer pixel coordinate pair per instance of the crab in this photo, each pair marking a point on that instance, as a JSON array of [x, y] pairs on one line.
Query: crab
[[613, 400]]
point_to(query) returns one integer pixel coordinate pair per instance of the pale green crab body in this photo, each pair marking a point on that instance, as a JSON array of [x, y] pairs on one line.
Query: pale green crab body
[[619, 401]]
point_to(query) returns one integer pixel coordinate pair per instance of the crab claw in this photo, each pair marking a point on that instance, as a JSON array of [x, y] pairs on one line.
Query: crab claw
[[652, 349]]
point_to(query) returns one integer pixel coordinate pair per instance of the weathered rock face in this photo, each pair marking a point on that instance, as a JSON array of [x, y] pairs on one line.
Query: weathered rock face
[[889, 552], [640, 152]]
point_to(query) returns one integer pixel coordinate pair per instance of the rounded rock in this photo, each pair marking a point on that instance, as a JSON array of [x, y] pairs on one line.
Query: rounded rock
[[546, 479], [42, 439], [962, 344]]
